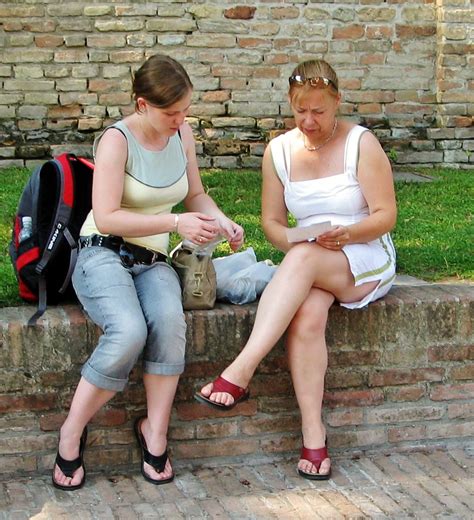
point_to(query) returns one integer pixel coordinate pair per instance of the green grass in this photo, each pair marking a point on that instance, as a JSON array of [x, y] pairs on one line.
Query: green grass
[[434, 231], [433, 235]]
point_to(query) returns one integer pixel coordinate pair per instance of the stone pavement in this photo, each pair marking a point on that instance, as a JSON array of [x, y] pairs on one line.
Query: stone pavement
[[420, 485]]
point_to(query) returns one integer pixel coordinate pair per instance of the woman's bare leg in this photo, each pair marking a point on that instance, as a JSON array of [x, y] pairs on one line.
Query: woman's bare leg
[[87, 401], [160, 392], [307, 358], [303, 267]]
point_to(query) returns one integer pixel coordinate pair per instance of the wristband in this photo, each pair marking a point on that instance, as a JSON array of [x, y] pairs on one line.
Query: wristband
[[176, 222]]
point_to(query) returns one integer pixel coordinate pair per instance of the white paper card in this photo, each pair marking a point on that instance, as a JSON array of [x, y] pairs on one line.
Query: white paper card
[[300, 234]]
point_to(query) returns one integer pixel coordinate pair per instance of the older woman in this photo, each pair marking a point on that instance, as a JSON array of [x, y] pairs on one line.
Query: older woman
[[324, 170]]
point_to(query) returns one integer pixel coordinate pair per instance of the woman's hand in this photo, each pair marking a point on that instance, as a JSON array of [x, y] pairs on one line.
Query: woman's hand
[[334, 239], [233, 232], [198, 227]]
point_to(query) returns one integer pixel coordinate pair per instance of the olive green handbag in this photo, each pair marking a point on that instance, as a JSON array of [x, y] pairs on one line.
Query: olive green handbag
[[197, 275]]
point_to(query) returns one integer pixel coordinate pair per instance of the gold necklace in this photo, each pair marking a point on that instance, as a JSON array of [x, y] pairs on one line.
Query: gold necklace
[[319, 146]]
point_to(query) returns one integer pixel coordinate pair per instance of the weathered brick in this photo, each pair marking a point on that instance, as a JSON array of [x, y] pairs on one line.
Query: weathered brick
[[119, 25], [406, 433], [12, 403], [240, 12], [394, 415], [450, 430], [462, 372], [403, 376], [217, 41], [406, 393], [192, 411], [227, 447], [353, 398], [448, 392], [217, 430], [349, 417], [350, 32], [460, 410]]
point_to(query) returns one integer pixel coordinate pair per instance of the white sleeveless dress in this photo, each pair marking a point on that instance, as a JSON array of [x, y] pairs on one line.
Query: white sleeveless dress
[[338, 198]]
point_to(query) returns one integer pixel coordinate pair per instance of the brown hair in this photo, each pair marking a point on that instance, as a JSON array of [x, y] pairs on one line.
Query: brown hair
[[161, 81], [313, 69]]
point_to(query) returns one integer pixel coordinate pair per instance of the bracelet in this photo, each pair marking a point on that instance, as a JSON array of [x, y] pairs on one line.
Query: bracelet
[[176, 222]]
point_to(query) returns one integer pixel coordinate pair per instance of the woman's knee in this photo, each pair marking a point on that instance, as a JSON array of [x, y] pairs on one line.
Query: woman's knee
[[311, 318], [299, 254], [128, 337]]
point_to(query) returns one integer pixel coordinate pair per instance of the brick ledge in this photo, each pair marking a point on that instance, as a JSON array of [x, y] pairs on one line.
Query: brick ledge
[[400, 377]]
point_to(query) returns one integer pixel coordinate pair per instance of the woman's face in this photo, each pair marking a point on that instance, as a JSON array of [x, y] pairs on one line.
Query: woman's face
[[315, 112], [167, 120]]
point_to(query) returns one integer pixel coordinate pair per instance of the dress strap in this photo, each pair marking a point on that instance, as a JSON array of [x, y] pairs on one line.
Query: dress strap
[[351, 152], [279, 148]]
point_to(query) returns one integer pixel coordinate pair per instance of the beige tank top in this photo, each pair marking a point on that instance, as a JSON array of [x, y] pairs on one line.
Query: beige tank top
[[154, 183]]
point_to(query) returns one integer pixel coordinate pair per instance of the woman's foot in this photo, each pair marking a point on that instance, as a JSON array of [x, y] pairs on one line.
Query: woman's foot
[[222, 394], [228, 389], [159, 470], [314, 462], [69, 471]]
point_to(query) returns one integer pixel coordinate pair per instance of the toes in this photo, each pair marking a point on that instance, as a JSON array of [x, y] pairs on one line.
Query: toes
[[308, 467], [206, 390], [325, 467], [155, 475], [217, 397], [222, 398], [62, 479]]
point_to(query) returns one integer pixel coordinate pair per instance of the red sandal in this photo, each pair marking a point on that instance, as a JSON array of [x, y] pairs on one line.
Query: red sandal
[[222, 385], [316, 457]]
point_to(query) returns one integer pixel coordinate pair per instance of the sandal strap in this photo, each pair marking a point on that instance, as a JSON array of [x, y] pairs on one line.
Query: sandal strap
[[158, 463], [222, 385], [316, 456], [69, 467]]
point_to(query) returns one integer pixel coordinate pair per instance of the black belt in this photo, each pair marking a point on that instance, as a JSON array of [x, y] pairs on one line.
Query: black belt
[[130, 254]]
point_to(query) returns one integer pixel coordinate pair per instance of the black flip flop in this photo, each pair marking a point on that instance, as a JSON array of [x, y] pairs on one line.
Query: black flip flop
[[158, 463], [69, 467]]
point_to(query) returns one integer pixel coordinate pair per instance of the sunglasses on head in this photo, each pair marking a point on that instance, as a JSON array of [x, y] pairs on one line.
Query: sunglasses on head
[[318, 82]]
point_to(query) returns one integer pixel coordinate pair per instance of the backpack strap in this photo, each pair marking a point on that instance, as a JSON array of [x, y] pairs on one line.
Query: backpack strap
[[42, 302], [72, 259], [63, 170]]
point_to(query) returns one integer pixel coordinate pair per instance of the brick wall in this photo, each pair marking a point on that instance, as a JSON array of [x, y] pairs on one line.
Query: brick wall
[[400, 377], [406, 71]]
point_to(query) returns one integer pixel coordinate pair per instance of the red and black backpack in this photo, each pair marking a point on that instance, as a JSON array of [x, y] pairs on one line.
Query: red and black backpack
[[57, 197]]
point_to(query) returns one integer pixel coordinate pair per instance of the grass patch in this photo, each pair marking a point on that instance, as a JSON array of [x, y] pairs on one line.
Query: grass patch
[[433, 235]]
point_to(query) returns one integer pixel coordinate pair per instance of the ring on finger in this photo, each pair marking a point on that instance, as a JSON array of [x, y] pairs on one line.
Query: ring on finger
[[338, 243]]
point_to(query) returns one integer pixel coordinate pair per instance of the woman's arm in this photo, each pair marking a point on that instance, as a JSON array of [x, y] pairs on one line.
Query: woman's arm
[[199, 201], [107, 190], [274, 212], [376, 182]]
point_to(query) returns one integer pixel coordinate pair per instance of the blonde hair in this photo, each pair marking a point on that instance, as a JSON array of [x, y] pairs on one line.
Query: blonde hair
[[161, 81], [313, 69]]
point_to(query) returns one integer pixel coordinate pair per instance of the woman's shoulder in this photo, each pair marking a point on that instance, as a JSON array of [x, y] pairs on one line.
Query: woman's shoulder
[[113, 137], [284, 137]]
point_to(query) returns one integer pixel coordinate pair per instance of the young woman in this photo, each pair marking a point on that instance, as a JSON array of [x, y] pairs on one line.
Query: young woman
[[144, 166], [325, 169]]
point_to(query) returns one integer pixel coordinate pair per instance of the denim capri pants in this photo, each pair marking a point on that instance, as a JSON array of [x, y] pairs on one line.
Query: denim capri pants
[[139, 310]]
